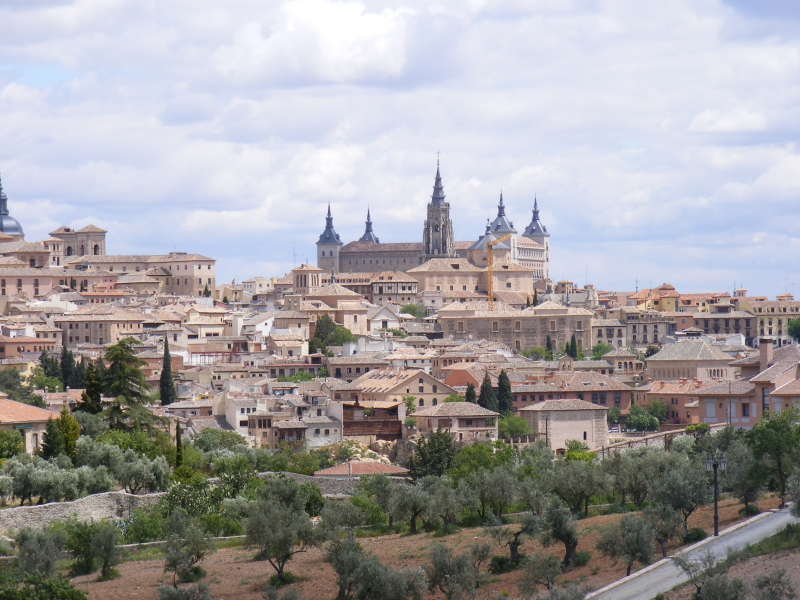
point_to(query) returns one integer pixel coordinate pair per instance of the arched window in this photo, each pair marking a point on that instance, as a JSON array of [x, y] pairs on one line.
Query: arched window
[[435, 402], [69, 250], [421, 402], [434, 390], [83, 250], [96, 251]]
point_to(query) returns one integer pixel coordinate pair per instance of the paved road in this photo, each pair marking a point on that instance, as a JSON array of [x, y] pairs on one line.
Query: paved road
[[665, 576]]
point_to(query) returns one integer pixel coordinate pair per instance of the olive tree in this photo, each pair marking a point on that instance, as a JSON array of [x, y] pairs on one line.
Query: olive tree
[[187, 544], [455, 576], [631, 540], [576, 481], [666, 522], [278, 525], [409, 503], [774, 586], [527, 525], [538, 570], [39, 550], [684, 487], [558, 526]]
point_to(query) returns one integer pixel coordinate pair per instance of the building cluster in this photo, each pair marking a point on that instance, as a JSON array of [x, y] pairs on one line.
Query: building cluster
[[243, 355]]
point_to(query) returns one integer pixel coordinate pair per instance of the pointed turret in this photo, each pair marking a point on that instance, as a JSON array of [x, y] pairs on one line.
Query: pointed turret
[[535, 227], [8, 225], [501, 225], [369, 235], [328, 246], [437, 198]]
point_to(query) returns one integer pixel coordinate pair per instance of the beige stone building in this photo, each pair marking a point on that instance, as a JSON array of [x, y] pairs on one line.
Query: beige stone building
[[100, 324], [689, 360], [561, 420], [33, 283], [387, 385], [519, 329], [181, 274], [465, 421]]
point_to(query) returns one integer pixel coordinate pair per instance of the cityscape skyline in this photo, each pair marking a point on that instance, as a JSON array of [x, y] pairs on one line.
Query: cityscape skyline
[[660, 140]]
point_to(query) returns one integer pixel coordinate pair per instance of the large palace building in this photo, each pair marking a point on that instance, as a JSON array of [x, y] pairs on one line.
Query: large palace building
[[530, 250]]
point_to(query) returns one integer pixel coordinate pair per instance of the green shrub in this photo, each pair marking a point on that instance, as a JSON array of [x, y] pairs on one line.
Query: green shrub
[[219, 526], [144, 525], [283, 579], [372, 513], [695, 535], [501, 564], [749, 510], [581, 558]]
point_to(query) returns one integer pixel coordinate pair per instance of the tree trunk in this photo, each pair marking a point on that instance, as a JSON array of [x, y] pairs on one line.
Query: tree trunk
[[412, 524], [628, 573], [569, 555], [513, 552], [586, 506], [663, 544]]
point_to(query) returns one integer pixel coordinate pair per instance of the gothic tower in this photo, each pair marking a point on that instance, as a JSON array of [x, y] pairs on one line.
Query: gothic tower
[[538, 233], [369, 235], [328, 247], [437, 237]]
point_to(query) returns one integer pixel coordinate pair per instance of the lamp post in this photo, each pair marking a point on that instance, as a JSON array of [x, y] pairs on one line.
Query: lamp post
[[716, 463]]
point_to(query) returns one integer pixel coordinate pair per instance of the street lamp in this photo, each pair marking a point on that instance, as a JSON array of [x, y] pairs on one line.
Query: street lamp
[[715, 463]]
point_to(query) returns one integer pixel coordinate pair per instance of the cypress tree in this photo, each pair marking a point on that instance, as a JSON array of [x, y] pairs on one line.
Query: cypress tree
[[549, 344], [50, 365], [100, 374], [166, 384], [52, 440], [91, 397], [70, 431], [573, 347], [487, 399], [178, 446], [67, 367], [535, 297], [505, 400], [470, 395]]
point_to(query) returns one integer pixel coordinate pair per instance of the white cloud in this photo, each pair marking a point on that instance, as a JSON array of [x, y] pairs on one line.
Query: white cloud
[[659, 136]]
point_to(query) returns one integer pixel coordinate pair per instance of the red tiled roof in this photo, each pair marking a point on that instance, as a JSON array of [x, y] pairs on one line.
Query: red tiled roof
[[12, 411], [362, 468]]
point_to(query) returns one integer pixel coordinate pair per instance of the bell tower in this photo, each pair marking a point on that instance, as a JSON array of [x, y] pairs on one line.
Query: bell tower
[[328, 246], [437, 236]]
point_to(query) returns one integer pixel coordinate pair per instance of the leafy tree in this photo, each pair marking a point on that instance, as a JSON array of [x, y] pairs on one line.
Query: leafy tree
[[11, 443], [413, 309], [341, 336], [600, 349], [139, 473], [234, 473], [445, 500], [382, 490], [91, 398], [470, 396], [774, 586], [613, 415], [52, 440], [537, 353], [659, 409], [793, 328], [511, 426], [494, 491], [794, 493], [577, 450], [11, 383], [278, 525], [666, 523], [434, 454], [477, 457], [345, 556], [538, 570], [701, 569], [684, 487], [187, 544], [38, 551], [454, 397], [456, 576], [70, 431], [629, 474], [744, 475], [166, 385], [576, 481], [38, 587], [631, 540], [721, 587], [505, 400], [105, 540], [487, 399], [409, 502], [527, 525], [100, 372], [775, 440], [558, 526], [298, 377], [39, 381], [206, 292], [209, 440], [641, 420]]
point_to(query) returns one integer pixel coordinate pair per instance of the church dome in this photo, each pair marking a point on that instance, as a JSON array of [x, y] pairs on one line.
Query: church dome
[[8, 225]]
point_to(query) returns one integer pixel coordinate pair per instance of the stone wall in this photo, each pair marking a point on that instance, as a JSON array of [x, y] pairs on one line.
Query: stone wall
[[110, 505]]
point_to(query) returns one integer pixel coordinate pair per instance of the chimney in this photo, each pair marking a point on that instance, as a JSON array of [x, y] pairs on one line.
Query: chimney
[[765, 350]]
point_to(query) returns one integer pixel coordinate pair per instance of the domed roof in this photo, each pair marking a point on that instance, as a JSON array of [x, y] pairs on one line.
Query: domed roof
[[8, 224]]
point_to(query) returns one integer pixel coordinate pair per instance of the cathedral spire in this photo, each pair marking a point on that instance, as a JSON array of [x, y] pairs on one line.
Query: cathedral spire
[[329, 235], [438, 189], [535, 228], [369, 235], [501, 225]]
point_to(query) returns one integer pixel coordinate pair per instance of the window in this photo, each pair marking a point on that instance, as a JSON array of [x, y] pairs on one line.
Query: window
[[421, 390], [421, 402], [327, 432], [745, 410]]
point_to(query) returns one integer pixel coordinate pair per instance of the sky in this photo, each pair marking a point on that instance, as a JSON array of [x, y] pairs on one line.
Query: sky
[[660, 138]]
